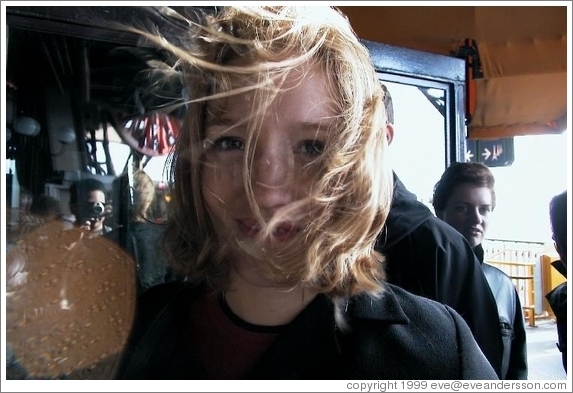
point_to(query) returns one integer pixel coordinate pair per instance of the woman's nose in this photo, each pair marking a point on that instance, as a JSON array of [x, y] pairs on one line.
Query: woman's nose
[[272, 179]]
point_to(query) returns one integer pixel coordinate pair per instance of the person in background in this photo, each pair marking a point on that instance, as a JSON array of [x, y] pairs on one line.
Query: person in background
[[144, 234], [44, 209], [557, 297], [427, 257], [22, 213], [25, 200], [279, 190], [464, 197], [88, 205]]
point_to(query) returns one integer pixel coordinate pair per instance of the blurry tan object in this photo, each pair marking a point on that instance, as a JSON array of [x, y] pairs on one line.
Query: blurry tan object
[[523, 52], [69, 303]]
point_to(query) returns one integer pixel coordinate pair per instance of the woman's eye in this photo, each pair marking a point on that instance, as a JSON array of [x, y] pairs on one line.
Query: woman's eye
[[228, 143], [312, 148]]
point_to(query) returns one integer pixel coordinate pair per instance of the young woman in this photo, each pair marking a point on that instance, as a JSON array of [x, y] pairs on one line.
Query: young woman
[[280, 188]]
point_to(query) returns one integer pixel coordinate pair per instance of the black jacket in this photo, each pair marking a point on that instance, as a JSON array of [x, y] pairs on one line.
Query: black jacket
[[143, 243], [512, 325], [397, 336], [428, 257]]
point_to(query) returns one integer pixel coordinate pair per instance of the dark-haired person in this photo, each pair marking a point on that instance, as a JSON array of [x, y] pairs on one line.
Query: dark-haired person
[[427, 257], [464, 197], [88, 204]]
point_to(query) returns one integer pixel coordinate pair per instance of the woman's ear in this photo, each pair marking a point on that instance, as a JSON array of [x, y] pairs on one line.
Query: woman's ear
[[389, 133]]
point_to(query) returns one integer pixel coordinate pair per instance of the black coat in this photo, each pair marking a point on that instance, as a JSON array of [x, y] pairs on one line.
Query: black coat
[[398, 336], [428, 257], [143, 243]]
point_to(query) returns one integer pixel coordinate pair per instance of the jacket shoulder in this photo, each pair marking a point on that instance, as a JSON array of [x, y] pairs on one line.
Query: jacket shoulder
[[416, 330], [444, 234], [415, 306], [154, 319], [498, 280], [157, 297], [449, 333]]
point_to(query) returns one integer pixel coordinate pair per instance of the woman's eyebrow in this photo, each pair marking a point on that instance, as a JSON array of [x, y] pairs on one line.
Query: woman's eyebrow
[[221, 120], [227, 119], [315, 127]]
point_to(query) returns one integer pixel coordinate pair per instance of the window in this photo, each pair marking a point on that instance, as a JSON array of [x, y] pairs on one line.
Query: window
[[428, 94]]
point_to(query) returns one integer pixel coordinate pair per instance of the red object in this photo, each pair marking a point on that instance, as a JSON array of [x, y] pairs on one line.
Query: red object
[[152, 134]]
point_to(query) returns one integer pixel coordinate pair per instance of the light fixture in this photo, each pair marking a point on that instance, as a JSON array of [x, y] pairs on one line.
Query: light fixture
[[64, 135], [26, 125]]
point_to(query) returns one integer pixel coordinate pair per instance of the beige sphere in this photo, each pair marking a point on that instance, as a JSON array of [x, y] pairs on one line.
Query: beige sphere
[[70, 303]]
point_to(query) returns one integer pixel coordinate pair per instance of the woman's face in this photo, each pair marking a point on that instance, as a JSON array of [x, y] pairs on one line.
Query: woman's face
[[468, 211], [292, 135]]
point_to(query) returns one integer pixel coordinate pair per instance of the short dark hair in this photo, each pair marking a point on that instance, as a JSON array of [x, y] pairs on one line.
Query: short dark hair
[[46, 206], [558, 218], [461, 173], [388, 104], [81, 188]]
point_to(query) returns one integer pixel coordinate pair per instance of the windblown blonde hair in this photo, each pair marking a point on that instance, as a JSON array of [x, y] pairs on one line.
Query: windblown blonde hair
[[351, 194], [143, 195]]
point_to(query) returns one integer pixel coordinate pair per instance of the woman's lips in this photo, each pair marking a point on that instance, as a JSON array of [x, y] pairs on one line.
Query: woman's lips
[[249, 229], [282, 232]]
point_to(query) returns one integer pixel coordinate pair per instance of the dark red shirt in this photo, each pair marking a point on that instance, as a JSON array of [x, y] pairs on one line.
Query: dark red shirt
[[227, 345]]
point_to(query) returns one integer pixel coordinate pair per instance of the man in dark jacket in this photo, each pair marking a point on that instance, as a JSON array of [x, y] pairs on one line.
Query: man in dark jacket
[[464, 197], [427, 257]]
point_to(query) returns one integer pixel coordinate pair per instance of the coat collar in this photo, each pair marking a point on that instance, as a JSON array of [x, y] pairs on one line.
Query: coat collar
[[385, 308], [480, 253], [315, 337], [317, 333]]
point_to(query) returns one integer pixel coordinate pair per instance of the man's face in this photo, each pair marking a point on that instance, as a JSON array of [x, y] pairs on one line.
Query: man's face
[[91, 211], [468, 211]]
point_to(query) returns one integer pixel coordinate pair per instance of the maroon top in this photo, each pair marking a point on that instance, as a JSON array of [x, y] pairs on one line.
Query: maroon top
[[227, 345]]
